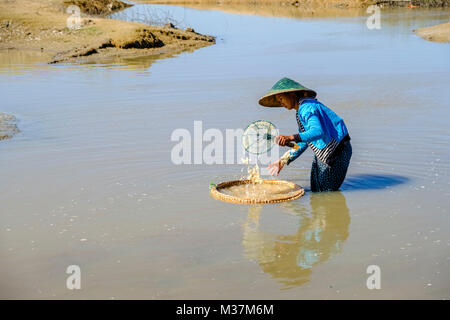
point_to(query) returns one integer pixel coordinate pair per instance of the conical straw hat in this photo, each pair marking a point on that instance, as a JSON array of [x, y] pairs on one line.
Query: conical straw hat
[[282, 86]]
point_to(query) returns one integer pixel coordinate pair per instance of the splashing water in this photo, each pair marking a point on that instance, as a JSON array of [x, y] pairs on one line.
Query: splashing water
[[253, 172], [254, 175]]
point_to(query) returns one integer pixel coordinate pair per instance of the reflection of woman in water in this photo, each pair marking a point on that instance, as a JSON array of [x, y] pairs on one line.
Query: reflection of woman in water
[[290, 258]]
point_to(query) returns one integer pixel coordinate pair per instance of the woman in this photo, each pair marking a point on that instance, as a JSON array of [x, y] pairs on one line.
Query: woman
[[319, 128]]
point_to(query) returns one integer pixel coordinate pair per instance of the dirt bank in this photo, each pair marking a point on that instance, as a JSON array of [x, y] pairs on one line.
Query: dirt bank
[[43, 26], [298, 8], [8, 126], [438, 33], [304, 3], [268, 3], [98, 7]]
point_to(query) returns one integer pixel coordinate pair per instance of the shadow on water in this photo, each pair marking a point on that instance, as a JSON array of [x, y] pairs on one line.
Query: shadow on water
[[290, 258], [372, 182]]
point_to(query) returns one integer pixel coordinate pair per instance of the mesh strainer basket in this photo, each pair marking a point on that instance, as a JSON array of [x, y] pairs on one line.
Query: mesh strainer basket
[[219, 192]]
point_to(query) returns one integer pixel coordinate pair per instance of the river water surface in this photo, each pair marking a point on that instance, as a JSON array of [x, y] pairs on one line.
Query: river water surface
[[89, 179]]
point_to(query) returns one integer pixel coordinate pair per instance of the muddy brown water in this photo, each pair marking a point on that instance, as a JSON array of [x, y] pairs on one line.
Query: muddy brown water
[[89, 180]]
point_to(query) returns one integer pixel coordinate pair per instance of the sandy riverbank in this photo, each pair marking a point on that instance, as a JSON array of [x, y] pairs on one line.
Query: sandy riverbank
[[438, 33], [304, 3], [42, 26], [316, 9], [297, 8], [268, 3]]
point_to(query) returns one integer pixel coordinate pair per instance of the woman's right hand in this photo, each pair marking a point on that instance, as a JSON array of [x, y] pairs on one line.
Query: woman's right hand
[[284, 140], [275, 167]]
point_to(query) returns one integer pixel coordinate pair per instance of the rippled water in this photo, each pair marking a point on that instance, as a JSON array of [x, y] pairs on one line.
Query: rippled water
[[89, 181]]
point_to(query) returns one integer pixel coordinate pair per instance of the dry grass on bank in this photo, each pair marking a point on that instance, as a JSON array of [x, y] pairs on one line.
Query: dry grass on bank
[[42, 25]]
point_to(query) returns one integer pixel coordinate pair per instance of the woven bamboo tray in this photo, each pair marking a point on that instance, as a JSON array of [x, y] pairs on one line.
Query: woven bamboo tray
[[217, 194]]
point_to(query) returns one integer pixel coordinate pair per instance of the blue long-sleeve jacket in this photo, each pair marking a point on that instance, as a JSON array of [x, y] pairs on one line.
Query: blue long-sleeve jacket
[[319, 128]]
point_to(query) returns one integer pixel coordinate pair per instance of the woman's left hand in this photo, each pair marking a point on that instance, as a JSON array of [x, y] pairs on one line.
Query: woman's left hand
[[284, 140]]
